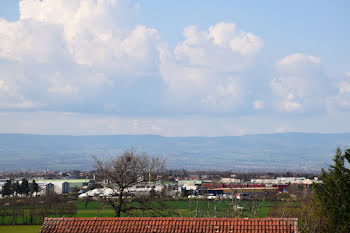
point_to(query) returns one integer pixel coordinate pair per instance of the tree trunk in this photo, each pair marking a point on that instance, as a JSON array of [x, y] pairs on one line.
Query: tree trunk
[[118, 207], [86, 201]]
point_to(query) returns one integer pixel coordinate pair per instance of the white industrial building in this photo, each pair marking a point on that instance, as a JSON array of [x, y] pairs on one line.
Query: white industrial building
[[230, 180], [45, 189], [285, 180], [145, 188], [100, 192], [61, 187], [188, 186], [142, 189], [58, 187]]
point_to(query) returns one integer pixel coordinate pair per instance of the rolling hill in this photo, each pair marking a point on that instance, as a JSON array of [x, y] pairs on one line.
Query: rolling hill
[[283, 151]]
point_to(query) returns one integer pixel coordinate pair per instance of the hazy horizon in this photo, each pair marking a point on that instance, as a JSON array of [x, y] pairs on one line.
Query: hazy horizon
[[159, 135], [269, 152]]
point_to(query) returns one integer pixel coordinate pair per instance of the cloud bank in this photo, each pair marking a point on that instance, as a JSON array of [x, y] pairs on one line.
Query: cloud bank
[[94, 56]]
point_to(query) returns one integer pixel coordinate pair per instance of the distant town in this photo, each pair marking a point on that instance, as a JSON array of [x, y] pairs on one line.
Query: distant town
[[172, 183], [135, 184]]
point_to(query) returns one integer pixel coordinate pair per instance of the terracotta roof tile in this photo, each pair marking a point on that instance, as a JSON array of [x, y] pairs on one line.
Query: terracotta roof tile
[[167, 225]]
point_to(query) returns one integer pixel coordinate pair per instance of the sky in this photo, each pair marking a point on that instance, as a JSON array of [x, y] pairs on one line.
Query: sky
[[174, 68]]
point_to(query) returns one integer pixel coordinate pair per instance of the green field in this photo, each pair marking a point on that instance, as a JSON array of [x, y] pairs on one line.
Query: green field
[[164, 208], [20, 229], [176, 208], [167, 208]]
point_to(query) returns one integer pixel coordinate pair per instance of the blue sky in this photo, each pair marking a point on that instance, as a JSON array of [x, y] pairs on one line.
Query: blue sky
[[191, 68], [317, 27]]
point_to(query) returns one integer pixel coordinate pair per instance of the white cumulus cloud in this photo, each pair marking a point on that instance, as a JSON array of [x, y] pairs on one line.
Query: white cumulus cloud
[[222, 47], [93, 56], [203, 71], [62, 51], [259, 104], [300, 85], [341, 101]]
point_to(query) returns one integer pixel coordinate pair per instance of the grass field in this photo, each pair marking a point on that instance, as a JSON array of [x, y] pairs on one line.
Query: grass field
[[20, 229], [167, 208], [174, 208]]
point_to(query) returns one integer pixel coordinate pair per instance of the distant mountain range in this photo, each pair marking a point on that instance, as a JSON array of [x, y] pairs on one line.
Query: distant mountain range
[[267, 152]]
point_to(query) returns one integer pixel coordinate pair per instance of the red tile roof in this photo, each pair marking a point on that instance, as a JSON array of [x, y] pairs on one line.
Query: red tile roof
[[167, 225]]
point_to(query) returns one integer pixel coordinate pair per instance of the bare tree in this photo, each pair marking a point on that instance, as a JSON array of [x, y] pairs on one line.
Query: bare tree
[[125, 171]]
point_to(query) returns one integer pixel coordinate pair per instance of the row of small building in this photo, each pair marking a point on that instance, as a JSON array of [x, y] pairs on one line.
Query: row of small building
[[226, 187], [232, 186], [197, 187]]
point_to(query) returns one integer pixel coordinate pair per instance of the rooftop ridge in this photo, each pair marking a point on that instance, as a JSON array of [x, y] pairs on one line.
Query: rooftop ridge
[[163, 218], [168, 224]]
